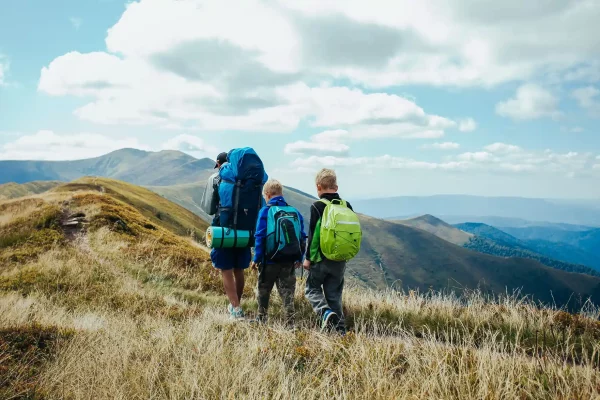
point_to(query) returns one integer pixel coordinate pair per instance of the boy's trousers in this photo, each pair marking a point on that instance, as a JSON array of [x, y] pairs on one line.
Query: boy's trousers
[[324, 287]]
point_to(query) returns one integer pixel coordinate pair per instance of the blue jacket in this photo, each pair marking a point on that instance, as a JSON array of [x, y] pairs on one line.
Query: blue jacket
[[261, 229]]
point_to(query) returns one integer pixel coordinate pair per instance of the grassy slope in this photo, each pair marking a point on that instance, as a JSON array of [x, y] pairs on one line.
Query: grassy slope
[[152, 206], [131, 310], [439, 228], [14, 190]]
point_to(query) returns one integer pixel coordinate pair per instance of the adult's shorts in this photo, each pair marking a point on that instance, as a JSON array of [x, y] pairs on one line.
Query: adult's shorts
[[231, 258]]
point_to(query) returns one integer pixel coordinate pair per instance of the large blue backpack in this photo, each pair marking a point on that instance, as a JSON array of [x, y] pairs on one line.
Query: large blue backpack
[[240, 190], [283, 234]]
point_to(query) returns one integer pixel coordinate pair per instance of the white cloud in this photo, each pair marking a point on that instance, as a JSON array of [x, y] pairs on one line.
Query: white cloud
[[512, 43], [324, 143], [588, 98], [475, 156], [189, 144], [467, 125], [47, 145], [502, 148], [442, 146], [589, 72], [530, 102], [76, 22], [134, 92], [506, 159], [203, 67]]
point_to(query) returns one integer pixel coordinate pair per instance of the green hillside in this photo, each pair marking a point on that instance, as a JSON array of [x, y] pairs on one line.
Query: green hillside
[[14, 190], [439, 228], [154, 207], [130, 165]]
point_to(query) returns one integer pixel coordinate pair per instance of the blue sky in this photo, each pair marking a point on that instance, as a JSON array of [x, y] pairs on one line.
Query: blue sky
[[457, 96]]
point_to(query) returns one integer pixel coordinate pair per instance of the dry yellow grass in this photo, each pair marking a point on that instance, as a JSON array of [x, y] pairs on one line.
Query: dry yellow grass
[[131, 312]]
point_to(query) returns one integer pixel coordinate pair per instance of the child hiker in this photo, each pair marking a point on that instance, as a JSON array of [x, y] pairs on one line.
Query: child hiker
[[334, 237], [280, 243]]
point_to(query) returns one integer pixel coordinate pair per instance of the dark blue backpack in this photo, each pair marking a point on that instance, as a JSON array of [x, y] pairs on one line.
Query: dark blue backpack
[[240, 190], [283, 234]]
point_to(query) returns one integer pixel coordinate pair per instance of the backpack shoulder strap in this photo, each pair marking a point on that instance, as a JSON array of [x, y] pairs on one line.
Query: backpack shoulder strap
[[335, 201]]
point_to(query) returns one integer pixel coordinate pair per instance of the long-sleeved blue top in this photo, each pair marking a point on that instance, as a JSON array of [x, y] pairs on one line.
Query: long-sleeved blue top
[[260, 235]]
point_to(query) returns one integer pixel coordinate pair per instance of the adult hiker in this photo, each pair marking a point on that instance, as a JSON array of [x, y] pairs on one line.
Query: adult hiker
[[241, 177], [334, 237], [279, 249]]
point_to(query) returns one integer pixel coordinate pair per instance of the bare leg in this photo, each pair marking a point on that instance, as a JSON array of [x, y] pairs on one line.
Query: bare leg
[[230, 287], [239, 283]]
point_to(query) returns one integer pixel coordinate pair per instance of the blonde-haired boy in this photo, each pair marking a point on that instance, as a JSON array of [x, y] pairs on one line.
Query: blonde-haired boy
[[325, 282], [280, 243]]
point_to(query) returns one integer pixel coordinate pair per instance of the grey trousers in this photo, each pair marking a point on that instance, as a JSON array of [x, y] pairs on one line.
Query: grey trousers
[[324, 287], [284, 276]]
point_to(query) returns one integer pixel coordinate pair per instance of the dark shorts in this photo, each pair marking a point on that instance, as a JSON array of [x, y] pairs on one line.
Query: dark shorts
[[234, 258]]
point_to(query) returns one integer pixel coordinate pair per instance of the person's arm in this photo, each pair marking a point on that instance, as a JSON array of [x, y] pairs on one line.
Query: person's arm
[[302, 236], [260, 235], [314, 218]]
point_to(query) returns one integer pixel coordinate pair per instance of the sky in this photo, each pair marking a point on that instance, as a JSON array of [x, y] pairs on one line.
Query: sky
[[399, 97]]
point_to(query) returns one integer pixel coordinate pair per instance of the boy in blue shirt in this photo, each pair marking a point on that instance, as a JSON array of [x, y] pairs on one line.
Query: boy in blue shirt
[[280, 243]]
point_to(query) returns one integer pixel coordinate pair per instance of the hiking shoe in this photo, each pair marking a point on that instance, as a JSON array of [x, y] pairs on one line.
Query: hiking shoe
[[329, 321], [236, 313], [259, 321]]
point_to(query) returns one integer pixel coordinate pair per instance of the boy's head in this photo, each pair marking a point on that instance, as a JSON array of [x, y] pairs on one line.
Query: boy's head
[[272, 189], [326, 181]]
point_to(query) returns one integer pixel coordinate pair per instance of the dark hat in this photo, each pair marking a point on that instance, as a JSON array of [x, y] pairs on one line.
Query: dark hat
[[221, 159]]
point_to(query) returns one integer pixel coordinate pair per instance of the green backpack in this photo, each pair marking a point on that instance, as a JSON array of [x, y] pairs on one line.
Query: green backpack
[[340, 233]]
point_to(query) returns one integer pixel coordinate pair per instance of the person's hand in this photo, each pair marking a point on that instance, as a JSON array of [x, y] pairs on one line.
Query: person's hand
[[306, 265], [254, 265]]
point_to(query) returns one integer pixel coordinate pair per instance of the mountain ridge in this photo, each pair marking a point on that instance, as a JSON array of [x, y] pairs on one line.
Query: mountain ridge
[[130, 165]]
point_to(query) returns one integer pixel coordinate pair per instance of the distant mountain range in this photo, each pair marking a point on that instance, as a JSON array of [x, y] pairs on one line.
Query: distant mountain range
[[582, 246], [129, 165], [392, 254], [502, 222], [469, 208], [490, 240]]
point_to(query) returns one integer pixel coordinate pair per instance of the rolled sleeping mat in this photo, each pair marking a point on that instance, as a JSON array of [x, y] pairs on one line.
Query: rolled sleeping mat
[[218, 238]]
